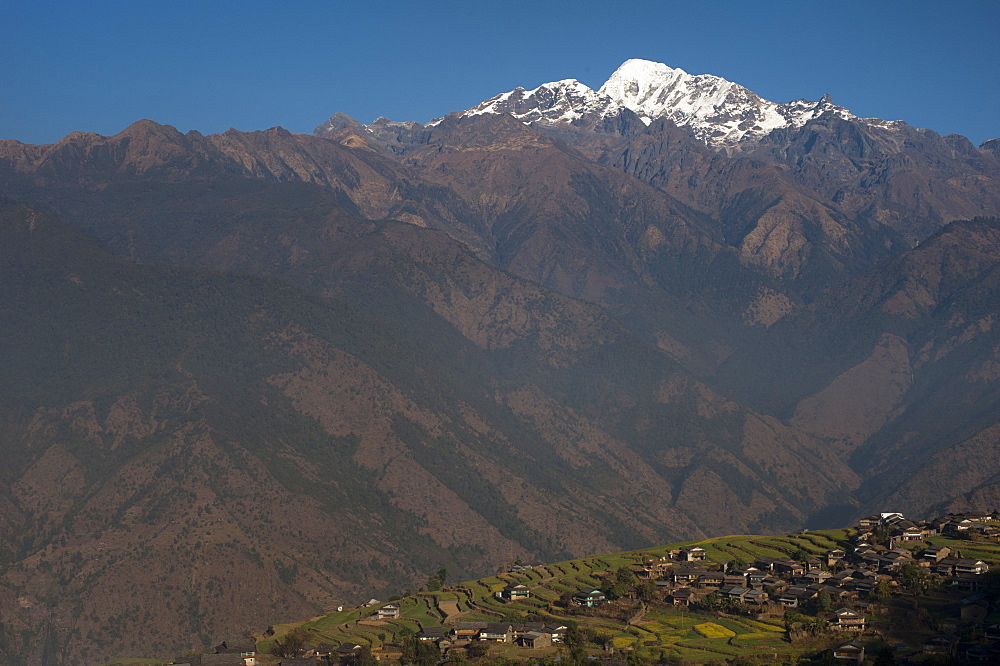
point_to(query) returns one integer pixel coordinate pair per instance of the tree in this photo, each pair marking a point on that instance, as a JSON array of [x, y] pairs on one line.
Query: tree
[[421, 653], [646, 590], [617, 591], [436, 582], [883, 590], [624, 576], [293, 644], [576, 642], [914, 579], [477, 650]]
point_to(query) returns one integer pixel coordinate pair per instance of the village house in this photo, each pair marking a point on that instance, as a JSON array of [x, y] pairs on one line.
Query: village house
[[653, 569], [957, 527], [514, 592], [557, 631], [935, 553], [683, 596], [498, 632], [736, 593], [755, 577], [388, 612], [795, 596], [710, 580], [536, 639], [693, 554], [589, 598], [734, 578], [468, 630], [850, 620], [814, 577], [433, 634], [789, 567], [688, 573], [850, 652], [974, 609], [323, 651], [967, 565], [521, 628]]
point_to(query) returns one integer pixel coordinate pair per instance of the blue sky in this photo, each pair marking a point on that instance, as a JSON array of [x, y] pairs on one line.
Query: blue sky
[[99, 66]]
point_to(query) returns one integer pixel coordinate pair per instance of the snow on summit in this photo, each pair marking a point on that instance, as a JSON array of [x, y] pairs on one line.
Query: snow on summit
[[560, 101], [719, 112]]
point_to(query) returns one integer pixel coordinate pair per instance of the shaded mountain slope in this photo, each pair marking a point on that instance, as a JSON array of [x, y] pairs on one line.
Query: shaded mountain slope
[[907, 386], [206, 428], [518, 199]]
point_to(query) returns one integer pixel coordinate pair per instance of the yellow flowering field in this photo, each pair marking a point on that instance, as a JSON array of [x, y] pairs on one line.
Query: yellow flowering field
[[713, 630], [764, 625]]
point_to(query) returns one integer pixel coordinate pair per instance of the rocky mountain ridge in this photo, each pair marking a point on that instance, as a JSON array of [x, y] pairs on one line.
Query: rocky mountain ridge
[[482, 338], [721, 114]]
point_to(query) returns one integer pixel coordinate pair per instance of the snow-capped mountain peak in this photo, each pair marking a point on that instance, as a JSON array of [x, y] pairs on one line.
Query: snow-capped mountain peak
[[566, 101], [721, 113]]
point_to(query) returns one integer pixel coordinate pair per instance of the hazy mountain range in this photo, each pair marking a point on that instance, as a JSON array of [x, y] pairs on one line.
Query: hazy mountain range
[[252, 375]]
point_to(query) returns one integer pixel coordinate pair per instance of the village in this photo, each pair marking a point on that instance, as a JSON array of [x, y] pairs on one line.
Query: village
[[848, 596]]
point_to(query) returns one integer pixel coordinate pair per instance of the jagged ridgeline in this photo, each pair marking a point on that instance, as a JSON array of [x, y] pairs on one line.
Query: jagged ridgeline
[[258, 375]]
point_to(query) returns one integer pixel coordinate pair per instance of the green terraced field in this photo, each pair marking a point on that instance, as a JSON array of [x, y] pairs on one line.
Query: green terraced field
[[667, 629]]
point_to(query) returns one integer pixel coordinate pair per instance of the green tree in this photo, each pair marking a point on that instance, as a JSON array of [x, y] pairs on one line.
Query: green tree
[[421, 653], [625, 576], [914, 579], [576, 643], [293, 644], [883, 590], [646, 590], [801, 554]]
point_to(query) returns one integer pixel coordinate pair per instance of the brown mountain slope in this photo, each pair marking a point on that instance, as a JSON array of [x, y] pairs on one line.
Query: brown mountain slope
[[812, 204], [907, 386], [364, 181], [519, 200], [241, 451]]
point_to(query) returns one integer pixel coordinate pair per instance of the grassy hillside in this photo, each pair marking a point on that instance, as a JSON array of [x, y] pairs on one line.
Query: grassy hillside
[[651, 630]]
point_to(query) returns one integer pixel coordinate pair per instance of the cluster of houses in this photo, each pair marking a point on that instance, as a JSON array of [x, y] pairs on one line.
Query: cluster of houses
[[842, 573], [848, 577], [526, 634]]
